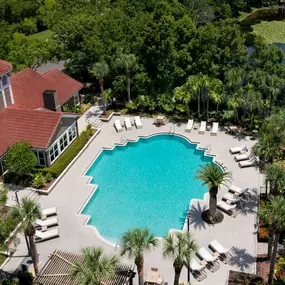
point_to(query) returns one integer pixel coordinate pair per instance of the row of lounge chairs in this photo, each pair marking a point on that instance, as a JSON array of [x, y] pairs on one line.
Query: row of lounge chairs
[[208, 260], [228, 204], [42, 233], [243, 156], [202, 128], [127, 124]]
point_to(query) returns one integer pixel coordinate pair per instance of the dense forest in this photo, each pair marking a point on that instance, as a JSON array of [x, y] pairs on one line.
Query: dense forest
[[182, 58]]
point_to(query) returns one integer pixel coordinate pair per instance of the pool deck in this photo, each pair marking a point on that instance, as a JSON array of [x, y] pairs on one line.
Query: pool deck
[[238, 233]]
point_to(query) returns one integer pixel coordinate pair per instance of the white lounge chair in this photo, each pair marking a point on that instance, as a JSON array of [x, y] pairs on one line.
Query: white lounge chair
[[47, 223], [118, 126], [243, 156], [202, 128], [237, 149], [197, 269], [228, 208], [238, 190], [247, 163], [217, 247], [215, 129], [42, 236], [189, 126], [232, 197], [212, 260], [49, 212], [138, 122], [128, 124]]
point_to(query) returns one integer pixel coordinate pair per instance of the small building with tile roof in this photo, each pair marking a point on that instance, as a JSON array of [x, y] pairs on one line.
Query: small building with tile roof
[[31, 109]]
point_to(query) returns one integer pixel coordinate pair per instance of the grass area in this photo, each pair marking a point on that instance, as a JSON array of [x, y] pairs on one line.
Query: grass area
[[2, 258], [272, 32], [44, 35]]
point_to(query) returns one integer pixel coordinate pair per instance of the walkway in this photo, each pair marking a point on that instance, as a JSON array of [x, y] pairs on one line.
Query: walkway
[[238, 233]]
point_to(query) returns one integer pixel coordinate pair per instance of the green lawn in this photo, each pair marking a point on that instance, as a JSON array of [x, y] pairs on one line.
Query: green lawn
[[272, 32], [44, 35]]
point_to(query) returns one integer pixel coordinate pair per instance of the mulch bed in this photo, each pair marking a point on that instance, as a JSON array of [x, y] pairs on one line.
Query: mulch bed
[[46, 187], [263, 266], [240, 278]]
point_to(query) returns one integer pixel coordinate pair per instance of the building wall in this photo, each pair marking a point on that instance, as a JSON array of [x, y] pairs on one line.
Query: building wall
[[6, 95], [72, 101]]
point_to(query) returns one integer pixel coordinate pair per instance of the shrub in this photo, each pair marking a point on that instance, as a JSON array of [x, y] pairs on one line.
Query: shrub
[[62, 162], [39, 180], [49, 177], [20, 160], [263, 232]]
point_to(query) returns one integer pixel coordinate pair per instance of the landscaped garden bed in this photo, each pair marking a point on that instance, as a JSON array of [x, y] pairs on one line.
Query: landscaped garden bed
[[107, 116], [240, 278]]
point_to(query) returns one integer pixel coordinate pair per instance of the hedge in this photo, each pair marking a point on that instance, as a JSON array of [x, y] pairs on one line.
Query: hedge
[[62, 162]]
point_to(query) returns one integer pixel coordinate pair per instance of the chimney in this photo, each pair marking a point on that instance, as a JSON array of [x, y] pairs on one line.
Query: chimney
[[51, 100]]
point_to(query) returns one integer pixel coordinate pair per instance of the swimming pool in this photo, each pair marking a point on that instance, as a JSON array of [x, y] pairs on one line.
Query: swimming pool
[[148, 183]]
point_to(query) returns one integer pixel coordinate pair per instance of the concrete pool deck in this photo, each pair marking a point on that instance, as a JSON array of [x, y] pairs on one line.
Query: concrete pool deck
[[238, 233]]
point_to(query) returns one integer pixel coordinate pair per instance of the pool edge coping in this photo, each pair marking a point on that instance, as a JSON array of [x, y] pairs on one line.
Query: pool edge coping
[[87, 217]]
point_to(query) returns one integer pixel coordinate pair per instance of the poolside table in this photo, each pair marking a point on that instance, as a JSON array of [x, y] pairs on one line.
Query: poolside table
[[160, 120], [233, 129], [153, 277]]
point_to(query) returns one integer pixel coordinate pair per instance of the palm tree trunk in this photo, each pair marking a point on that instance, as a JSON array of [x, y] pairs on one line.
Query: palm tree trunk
[[213, 201], [269, 246], [129, 88], [140, 272], [207, 106], [177, 275], [187, 108], [34, 253], [101, 82], [273, 258], [217, 108], [198, 105], [251, 120]]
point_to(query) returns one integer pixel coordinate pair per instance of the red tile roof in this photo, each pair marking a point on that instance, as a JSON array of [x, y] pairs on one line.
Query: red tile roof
[[35, 126], [28, 86], [5, 66]]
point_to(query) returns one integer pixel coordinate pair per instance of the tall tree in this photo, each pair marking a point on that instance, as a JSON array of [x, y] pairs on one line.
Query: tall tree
[[214, 177], [273, 214], [134, 243], [275, 175], [100, 70], [252, 101], [128, 63], [94, 267], [179, 246], [27, 212], [182, 94]]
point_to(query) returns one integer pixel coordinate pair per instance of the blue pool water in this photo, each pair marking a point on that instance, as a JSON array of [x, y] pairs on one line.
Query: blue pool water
[[145, 184]]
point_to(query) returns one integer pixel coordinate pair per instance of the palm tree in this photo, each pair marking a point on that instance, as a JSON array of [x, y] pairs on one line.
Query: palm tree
[[27, 212], [273, 214], [215, 93], [94, 267], [134, 243], [267, 148], [194, 86], [182, 94], [275, 174], [100, 70], [235, 102], [179, 246], [214, 176], [252, 101], [128, 63]]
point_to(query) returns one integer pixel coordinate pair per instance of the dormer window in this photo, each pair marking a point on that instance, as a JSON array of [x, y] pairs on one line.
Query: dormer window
[[4, 80]]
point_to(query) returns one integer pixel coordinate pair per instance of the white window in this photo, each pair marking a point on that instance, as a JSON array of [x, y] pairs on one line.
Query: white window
[[41, 157], [76, 99], [53, 152], [63, 142], [72, 133]]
